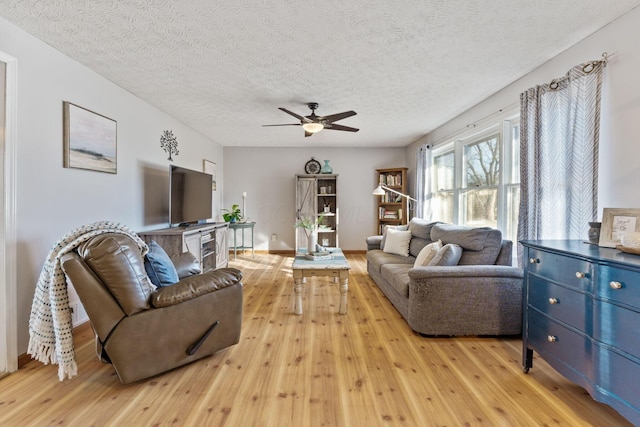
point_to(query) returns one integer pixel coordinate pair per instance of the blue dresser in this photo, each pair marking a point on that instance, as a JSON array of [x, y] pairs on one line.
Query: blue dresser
[[582, 315]]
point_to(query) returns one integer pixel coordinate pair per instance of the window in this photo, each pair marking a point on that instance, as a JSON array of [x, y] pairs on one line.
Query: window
[[480, 181], [476, 179], [443, 183]]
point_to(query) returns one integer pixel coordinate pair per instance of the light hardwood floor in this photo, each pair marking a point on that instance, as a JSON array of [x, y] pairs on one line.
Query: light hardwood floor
[[366, 368]]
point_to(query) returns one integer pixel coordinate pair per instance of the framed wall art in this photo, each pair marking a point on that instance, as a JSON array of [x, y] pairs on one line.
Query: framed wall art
[[616, 222], [210, 168], [90, 140]]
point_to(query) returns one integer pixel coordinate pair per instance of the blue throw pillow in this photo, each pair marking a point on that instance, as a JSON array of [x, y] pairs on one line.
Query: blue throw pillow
[[159, 267]]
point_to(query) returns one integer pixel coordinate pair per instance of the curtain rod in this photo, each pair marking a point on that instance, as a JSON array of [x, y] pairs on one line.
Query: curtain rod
[[585, 68], [474, 124]]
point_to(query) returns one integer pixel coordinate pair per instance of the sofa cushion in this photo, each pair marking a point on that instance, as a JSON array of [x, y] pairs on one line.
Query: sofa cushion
[[481, 245], [376, 258], [397, 242], [397, 275], [448, 255], [427, 253], [391, 227], [422, 228], [159, 266], [417, 244]]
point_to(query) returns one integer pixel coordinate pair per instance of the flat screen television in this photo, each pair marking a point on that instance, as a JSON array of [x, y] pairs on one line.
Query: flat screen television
[[190, 196]]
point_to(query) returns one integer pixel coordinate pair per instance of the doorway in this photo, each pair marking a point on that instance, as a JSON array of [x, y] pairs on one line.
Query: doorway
[[8, 300]]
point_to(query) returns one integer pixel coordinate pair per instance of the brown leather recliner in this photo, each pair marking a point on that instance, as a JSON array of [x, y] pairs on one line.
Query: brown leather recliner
[[143, 332]]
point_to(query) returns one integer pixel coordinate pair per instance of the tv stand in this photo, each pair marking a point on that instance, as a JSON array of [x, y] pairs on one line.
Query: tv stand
[[207, 242]]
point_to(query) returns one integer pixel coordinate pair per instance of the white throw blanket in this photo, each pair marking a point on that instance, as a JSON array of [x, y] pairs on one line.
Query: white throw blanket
[[50, 328]]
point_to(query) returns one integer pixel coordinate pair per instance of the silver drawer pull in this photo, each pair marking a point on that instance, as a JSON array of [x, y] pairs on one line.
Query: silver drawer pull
[[552, 338], [534, 261], [615, 285], [553, 300], [580, 275]]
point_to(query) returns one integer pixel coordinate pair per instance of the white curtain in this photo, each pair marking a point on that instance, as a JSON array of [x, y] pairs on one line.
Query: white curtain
[[423, 182], [559, 135]]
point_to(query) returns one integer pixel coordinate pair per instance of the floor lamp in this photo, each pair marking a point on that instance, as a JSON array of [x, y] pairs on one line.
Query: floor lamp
[[381, 191]]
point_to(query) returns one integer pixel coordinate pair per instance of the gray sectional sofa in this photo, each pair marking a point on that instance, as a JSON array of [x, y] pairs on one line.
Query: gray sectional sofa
[[481, 295]]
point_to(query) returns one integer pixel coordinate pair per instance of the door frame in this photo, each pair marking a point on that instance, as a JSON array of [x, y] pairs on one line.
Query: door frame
[[8, 260]]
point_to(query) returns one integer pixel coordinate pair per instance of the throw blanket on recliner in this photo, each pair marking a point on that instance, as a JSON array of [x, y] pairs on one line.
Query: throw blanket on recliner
[[50, 328]]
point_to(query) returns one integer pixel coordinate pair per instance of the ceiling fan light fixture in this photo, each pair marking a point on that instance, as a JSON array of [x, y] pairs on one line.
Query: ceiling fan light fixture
[[312, 127]]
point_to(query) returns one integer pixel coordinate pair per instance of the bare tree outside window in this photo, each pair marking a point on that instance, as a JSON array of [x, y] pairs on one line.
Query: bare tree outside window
[[482, 177]]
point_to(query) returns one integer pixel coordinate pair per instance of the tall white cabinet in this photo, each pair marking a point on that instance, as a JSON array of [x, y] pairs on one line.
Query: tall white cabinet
[[317, 199]]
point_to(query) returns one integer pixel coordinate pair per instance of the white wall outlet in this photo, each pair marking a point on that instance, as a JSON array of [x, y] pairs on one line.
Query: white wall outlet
[[274, 237]]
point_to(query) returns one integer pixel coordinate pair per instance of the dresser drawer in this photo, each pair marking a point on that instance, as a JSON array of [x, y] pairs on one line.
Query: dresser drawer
[[619, 376], [619, 284], [569, 348], [617, 327], [573, 272], [564, 304]]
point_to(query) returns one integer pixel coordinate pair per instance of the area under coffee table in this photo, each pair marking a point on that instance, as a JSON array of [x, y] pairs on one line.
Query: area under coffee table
[[336, 267]]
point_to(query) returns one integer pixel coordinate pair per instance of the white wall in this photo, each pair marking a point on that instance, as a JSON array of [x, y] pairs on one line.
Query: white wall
[[53, 200], [267, 175], [619, 165]]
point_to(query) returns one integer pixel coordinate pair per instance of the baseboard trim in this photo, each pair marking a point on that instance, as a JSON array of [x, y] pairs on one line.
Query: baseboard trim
[[25, 358]]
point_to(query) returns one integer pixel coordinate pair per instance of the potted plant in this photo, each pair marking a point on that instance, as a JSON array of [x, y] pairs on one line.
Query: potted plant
[[311, 230], [232, 215]]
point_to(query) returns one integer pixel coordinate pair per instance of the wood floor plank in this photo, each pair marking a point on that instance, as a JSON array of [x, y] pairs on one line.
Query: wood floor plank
[[366, 368]]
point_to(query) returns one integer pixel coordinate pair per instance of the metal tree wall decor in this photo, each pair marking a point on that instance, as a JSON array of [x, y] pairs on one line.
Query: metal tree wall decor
[[169, 143]]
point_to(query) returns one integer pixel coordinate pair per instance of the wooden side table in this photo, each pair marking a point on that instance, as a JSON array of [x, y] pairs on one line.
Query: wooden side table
[[235, 226]]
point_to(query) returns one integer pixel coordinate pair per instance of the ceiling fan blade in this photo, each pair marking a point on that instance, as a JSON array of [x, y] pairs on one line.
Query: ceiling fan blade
[[340, 127], [297, 116], [339, 116], [288, 124]]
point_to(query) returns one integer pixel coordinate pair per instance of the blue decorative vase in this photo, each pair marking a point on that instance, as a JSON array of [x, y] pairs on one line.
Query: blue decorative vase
[[326, 168]]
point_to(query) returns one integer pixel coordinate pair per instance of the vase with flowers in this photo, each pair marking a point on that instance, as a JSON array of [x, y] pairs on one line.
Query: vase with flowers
[[310, 226]]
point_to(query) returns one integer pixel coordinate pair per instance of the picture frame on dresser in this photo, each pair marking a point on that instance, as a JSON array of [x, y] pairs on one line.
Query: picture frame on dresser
[[615, 223]]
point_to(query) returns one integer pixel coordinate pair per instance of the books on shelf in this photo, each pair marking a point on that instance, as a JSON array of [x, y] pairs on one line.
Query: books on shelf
[[391, 198], [385, 213], [391, 179]]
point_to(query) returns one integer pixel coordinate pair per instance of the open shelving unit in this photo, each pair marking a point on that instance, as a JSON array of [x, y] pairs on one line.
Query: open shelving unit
[[391, 209]]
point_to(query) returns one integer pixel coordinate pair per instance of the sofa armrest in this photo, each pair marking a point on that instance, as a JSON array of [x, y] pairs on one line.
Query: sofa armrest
[[465, 300], [373, 242], [193, 286]]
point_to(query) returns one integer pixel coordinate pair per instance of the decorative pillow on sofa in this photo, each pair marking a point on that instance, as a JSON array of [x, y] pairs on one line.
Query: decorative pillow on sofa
[[159, 267], [397, 242], [448, 255], [427, 253], [391, 227]]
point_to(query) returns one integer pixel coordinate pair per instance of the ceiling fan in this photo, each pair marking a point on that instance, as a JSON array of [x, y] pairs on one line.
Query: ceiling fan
[[313, 124]]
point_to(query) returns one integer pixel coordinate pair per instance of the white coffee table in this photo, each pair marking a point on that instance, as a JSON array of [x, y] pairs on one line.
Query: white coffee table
[[336, 267]]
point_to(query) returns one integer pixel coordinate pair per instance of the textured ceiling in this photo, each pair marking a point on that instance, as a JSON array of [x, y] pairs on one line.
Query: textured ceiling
[[223, 68]]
